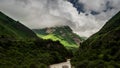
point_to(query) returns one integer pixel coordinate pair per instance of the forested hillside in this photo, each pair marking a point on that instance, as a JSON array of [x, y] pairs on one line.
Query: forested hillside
[[101, 50], [21, 48]]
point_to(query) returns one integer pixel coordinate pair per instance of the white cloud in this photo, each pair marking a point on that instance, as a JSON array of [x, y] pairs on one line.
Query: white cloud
[[99, 5], [49, 13]]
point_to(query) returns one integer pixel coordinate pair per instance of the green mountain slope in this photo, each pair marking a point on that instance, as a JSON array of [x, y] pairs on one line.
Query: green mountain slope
[[101, 50], [63, 34], [21, 48], [14, 28]]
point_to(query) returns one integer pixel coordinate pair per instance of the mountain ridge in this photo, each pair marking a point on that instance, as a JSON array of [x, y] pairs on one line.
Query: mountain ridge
[[102, 49], [20, 47], [64, 34], [15, 27]]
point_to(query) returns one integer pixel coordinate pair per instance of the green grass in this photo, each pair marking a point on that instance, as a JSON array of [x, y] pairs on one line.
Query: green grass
[[63, 34], [62, 41]]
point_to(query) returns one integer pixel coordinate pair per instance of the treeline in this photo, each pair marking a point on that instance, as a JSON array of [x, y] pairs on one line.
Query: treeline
[[101, 50], [35, 53]]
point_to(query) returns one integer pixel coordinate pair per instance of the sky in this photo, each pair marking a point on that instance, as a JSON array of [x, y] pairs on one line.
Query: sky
[[37, 14]]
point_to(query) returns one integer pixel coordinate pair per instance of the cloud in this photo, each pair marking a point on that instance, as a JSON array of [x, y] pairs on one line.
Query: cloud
[[99, 5], [50, 13], [38, 13], [105, 8]]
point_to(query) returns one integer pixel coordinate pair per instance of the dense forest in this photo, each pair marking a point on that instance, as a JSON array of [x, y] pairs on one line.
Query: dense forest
[[21, 48], [101, 50]]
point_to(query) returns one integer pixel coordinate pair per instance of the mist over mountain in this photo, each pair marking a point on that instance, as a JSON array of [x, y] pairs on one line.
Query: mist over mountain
[[14, 29], [64, 34], [102, 49], [73, 13], [56, 25], [20, 47]]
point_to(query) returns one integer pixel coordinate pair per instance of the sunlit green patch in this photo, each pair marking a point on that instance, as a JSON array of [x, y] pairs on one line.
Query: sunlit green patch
[[62, 41]]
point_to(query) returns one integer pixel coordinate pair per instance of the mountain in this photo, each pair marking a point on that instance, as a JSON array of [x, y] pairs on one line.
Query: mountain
[[21, 48], [14, 29], [64, 34], [101, 50]]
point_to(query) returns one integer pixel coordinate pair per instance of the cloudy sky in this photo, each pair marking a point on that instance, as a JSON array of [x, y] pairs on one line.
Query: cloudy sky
[[49, 13]]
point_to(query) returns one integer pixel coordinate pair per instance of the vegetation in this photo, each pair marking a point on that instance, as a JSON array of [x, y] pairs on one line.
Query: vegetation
[[101, 50], [14, 28], [21, 48], [19, 53], [63, 34]]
